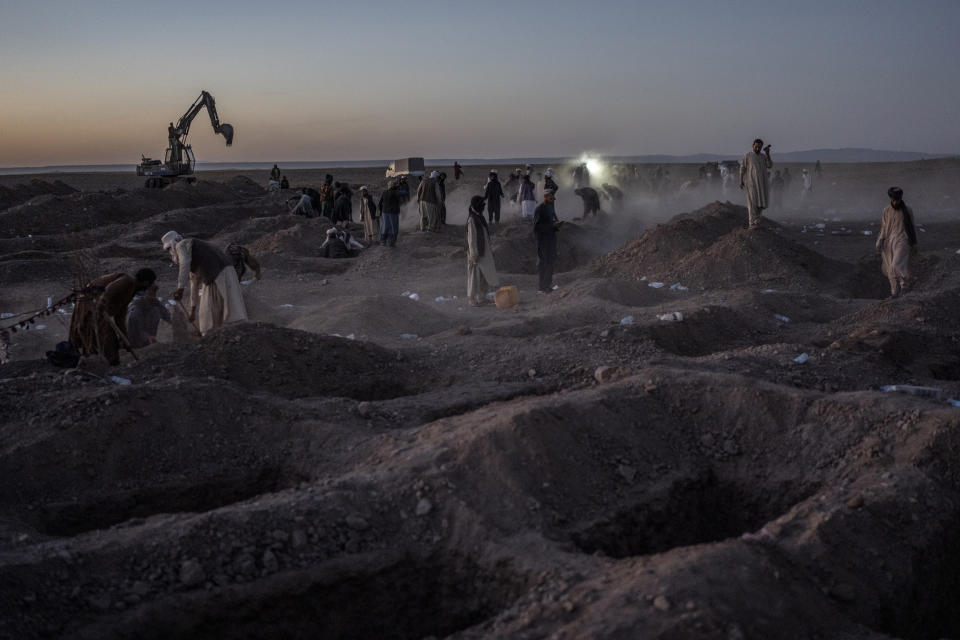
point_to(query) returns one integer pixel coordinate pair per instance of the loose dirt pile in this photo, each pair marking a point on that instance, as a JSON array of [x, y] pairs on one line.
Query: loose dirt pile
[[286, 363], [608, 460], [10, 196], [710, 249]]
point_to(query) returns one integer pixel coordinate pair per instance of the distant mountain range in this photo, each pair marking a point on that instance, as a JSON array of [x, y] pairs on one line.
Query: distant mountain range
[[823, 155]]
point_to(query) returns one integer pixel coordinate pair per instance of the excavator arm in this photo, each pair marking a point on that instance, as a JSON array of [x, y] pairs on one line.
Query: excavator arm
[[205, 100]]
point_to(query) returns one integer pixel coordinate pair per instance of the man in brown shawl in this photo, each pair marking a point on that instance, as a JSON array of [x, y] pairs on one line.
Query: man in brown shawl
[[753, 179], [98, 323], [896, 242]]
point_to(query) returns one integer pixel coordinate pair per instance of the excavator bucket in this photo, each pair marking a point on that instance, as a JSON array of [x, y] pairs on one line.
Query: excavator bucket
[[227, 131]]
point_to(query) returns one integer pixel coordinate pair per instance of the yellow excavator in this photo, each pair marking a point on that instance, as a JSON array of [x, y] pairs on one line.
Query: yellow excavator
[[178, 163]]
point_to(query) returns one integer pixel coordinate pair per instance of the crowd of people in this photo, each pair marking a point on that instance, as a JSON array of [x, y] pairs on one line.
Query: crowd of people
[[117, 311]]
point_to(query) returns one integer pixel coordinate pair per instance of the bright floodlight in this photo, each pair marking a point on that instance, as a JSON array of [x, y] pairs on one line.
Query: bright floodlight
[[593, 166]]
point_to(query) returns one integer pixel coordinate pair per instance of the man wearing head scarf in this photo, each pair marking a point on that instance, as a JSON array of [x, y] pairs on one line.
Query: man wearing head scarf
[[481, 270], [545, 227], [368, 215], [333, 246], [98, 323], [549, 183], [896, 242], [389, 207], [753, 179], [215, 295], [527, 196], [492, 195], [429, 198]]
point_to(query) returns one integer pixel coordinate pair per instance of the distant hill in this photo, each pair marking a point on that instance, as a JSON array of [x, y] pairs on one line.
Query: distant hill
[[823, 155]]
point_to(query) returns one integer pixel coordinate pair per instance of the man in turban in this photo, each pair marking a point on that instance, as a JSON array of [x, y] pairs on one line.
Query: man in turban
[[896, 242], [215, 295], [753, 179]]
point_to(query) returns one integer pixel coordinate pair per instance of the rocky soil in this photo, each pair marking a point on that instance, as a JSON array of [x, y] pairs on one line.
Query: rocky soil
[[689, 438]]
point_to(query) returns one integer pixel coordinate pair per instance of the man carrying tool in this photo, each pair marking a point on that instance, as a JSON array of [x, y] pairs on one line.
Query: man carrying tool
[[98, 323]]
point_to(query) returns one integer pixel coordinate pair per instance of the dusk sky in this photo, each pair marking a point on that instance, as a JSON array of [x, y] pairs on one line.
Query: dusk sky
[[97, 82]]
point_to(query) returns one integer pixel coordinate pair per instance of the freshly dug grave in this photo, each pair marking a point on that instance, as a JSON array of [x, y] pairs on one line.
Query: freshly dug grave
[[389, 317]]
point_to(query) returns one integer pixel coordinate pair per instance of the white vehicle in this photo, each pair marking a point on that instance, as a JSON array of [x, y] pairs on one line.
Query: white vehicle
[[405, 167]]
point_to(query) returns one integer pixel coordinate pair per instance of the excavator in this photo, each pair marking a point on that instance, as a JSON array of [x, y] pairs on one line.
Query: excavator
[[179, 161]]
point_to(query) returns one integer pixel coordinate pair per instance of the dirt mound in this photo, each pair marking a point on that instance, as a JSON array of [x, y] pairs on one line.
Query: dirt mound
[[382, 316], [65, 210], [286, 362], [710, 249], [11, 196], [668, 243]]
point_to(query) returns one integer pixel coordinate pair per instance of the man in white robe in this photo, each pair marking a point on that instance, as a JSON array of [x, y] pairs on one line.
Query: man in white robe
[[753, 179], [481, 270], [215, 295]]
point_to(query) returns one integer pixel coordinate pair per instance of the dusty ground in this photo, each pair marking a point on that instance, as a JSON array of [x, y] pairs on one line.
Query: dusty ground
[[353, 463]]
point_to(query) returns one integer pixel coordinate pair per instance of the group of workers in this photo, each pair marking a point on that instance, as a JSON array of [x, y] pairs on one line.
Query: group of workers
[[118, 311]]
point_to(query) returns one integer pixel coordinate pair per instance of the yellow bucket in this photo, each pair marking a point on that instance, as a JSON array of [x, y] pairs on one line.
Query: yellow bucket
[[507, 297]]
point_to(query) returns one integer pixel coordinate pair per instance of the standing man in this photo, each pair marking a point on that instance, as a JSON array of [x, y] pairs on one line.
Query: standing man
[[807, 187], [389, 207], [549, 183], [442, 185], [342, 208], [457, 170], [545, 227], [753, 178], [527, 196], [368, 215], [787, 179], [493, 194], [481, 270], [897, 241], [275, 172], [215, 295], [429, 198]]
